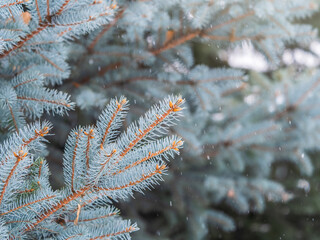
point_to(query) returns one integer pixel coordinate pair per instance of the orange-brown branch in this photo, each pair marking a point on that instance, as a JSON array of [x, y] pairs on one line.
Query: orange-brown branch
[[151, 155], [89, 136], [176, 42], [293, 106], [24, 40], [55, 208], [37, 133], [144, 133], [218, 79], [307, 93], [26, 191], [108, 159], [119, 108], [76, 23], [12, 4], [230, 21], [129, 80], [43, 100], [48, 8], [76, 235], [51, 63], [233, 90], [40, 168], [28, 204], [127, 230], [196, 33], [252, 134], [13, 118], [62, 7], [25, 82], [109, 67], [64, 32], [74, 159], [38, 11], [173, 108], [105, 29], [174, 146], [143, 178], [82, 191], [180, 82], [19, 157], [101, 217]]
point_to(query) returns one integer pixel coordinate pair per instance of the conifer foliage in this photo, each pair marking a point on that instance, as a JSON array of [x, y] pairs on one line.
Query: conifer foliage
[[100, 165], [33, 55], [237, 124]]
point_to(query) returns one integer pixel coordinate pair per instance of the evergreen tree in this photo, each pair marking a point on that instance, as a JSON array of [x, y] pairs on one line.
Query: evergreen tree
[[236, 124]]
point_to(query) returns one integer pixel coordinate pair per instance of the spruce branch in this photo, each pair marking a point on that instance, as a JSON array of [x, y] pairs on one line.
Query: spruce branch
[[98, 163]]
